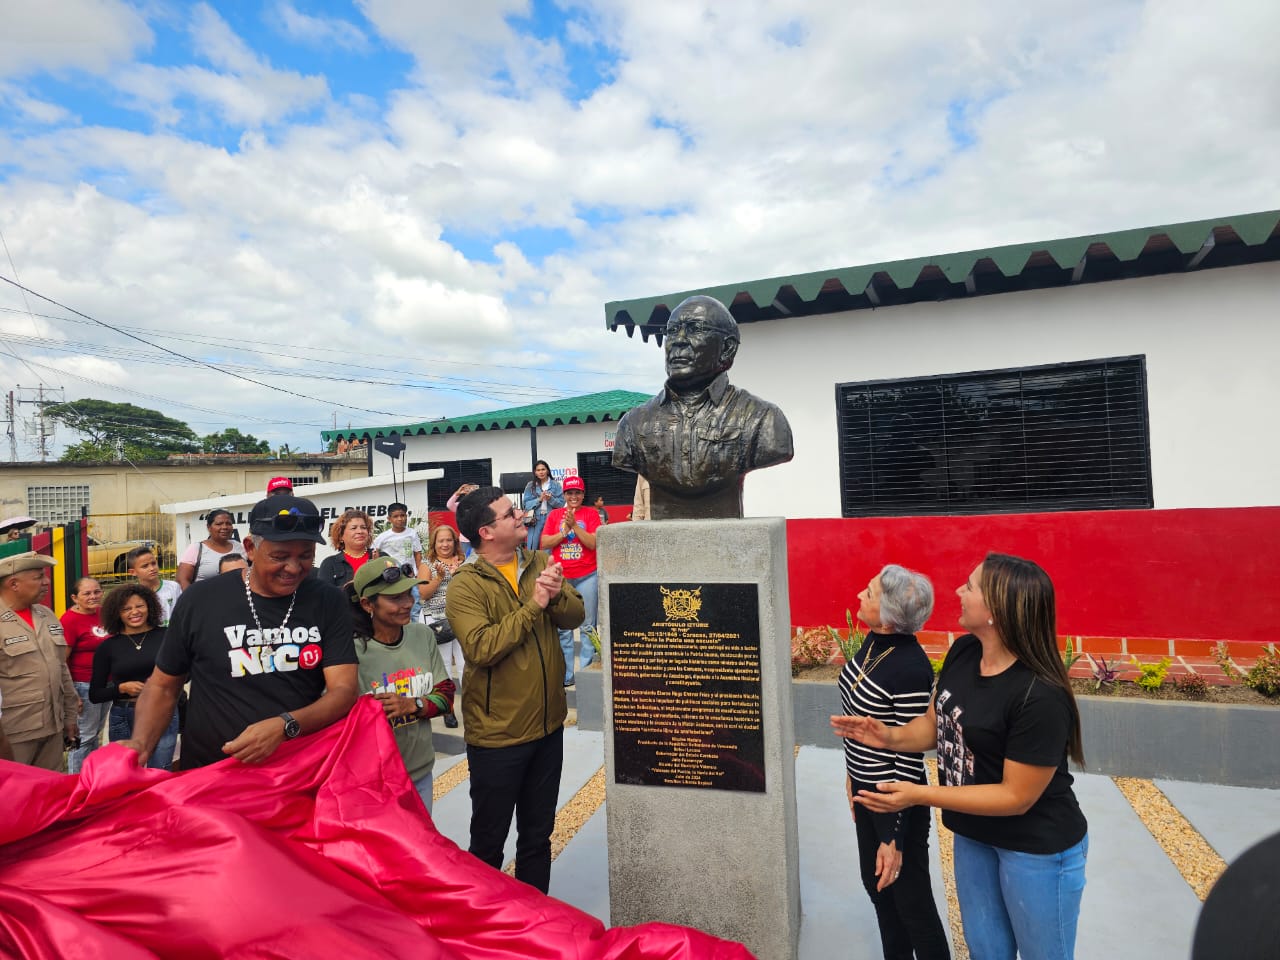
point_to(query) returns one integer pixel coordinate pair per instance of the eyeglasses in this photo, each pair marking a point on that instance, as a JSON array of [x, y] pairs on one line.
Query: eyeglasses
[[391, 574], [294, 519], [689, 328], [512, 511]]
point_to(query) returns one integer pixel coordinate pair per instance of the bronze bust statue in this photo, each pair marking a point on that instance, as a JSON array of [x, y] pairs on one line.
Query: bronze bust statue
[[696, 440]]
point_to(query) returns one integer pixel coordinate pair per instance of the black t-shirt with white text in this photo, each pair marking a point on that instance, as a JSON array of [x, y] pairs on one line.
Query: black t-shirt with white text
[[240, 674], [982, 721]]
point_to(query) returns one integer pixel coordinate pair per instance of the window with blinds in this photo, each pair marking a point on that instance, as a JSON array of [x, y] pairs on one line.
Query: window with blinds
[[456, 473], [603, 479], [1062, 437]]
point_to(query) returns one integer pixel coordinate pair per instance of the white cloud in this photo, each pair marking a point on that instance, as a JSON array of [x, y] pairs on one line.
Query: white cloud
[[242, 89], [31, 108], [453, 43], [723, 144], [321, 32], [58, 35]]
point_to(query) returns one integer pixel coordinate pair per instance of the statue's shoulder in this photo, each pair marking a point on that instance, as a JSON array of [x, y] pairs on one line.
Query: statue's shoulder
[[642, 410], [749, 401]]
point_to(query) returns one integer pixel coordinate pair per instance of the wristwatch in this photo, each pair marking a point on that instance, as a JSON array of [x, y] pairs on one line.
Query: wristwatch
[[422, 707], [291, 726]]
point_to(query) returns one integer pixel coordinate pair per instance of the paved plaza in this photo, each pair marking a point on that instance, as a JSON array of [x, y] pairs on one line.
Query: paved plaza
[[1137, 904]]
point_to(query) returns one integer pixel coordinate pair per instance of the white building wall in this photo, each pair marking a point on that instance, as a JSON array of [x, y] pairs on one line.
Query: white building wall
[[509, 449], [560, 446], [1211, 341]]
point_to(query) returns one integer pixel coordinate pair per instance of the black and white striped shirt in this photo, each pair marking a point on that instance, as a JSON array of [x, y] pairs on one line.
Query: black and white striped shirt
[[896, 690]]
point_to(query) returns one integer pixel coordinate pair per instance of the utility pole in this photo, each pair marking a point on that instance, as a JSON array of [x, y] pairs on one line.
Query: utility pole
[[39, 429], [9, 422]]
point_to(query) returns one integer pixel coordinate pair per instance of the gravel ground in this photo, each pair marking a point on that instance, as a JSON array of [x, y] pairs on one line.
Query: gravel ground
[[1198, 862], [946, 853]]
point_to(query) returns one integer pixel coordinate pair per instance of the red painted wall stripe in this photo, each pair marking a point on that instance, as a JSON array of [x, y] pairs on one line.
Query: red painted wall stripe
[[1118, 573]]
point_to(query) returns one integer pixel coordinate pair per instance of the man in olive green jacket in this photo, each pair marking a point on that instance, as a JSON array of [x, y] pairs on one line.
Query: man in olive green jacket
[[506, 606]]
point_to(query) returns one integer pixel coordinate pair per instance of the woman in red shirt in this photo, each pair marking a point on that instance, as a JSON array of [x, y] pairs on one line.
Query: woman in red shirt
[[84, 632]]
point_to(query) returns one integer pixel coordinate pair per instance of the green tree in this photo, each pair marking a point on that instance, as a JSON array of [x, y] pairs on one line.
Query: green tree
[[232, 440], [110, 429]]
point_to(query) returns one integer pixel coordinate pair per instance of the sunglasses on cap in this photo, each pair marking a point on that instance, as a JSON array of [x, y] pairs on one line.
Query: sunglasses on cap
[[390, 575], [292, 519]]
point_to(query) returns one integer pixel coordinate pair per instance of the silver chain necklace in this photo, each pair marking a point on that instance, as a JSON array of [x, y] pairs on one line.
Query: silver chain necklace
[[248, 595]]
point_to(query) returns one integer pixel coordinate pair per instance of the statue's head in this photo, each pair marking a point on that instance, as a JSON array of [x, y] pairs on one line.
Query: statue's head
[[700, 341]]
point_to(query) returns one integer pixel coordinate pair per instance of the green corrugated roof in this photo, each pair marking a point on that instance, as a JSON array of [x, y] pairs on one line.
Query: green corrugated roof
[[591, 408], [1145, 251]]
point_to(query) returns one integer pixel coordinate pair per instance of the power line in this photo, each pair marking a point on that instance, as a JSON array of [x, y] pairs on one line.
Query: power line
[[200, 363], [485, 389], [241, 417], [238, 342]]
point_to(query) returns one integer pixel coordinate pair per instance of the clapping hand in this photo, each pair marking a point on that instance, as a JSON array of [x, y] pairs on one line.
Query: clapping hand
[[547, 586]]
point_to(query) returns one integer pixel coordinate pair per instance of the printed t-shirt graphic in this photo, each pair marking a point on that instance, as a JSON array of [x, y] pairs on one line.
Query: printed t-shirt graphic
[[242, 674]]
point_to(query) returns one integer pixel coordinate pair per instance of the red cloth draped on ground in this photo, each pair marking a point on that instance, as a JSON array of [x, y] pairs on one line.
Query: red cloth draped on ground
[[325, 851]]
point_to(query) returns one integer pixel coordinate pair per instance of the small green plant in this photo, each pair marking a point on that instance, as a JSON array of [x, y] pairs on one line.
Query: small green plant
[[1151, 675], [1105, 674], [593, 636], [1264, 676], [811, 648], [850, 645], [1069, 656], [1222, 657], [1193, 686]]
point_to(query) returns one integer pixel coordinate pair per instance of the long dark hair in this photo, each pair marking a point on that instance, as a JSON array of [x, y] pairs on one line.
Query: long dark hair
[[110, 617], [361, 620], [1020, 596]]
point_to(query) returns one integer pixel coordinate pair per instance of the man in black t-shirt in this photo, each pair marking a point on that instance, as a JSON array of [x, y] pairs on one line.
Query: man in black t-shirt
[[268, 650]]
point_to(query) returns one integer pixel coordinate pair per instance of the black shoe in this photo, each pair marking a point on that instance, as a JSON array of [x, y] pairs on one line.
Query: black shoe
[[450, 721], [568, 683]]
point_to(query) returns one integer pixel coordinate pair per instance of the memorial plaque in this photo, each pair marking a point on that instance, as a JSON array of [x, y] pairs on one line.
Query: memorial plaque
[[685, 667]]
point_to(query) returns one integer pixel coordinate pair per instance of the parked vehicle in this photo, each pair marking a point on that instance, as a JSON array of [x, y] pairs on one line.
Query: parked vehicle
[[108, 558]]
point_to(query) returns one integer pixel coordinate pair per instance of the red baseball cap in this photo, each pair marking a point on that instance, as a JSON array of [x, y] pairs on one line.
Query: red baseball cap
[[574, 483], [279, 483]]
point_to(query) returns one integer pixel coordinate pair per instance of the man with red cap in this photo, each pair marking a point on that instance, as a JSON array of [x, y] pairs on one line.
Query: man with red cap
[[279, 485], [570, 535]]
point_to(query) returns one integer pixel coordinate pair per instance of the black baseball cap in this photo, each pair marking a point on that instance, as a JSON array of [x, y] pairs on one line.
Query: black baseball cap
[[286, 518]]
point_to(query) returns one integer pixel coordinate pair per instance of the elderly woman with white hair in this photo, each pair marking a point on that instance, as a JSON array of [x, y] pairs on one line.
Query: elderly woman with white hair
[[891, 679]]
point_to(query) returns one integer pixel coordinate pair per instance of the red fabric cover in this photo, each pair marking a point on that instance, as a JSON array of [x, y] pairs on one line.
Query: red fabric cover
[[325, 851]]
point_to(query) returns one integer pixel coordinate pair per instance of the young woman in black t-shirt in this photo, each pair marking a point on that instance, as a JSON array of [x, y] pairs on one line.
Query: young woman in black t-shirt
[[122, 663], [1004, 722]]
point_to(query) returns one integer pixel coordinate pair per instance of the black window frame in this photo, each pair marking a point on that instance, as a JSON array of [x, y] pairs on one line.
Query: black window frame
[[456, 473], [923, 470], [602, 478]]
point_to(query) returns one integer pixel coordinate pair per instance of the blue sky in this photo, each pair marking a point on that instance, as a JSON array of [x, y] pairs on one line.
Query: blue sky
[[420, 207]]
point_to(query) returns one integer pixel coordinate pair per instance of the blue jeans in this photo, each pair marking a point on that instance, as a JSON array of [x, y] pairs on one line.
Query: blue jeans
[[1023, 904], [90, 722], [424, 785], [589, 587], [122, 729], [534, 540]]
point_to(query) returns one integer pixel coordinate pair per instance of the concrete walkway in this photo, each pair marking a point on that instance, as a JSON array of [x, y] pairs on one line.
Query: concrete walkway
[[1136, 903]]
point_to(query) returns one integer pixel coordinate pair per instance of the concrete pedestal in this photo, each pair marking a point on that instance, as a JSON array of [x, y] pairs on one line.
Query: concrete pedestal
[[725, 861]]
